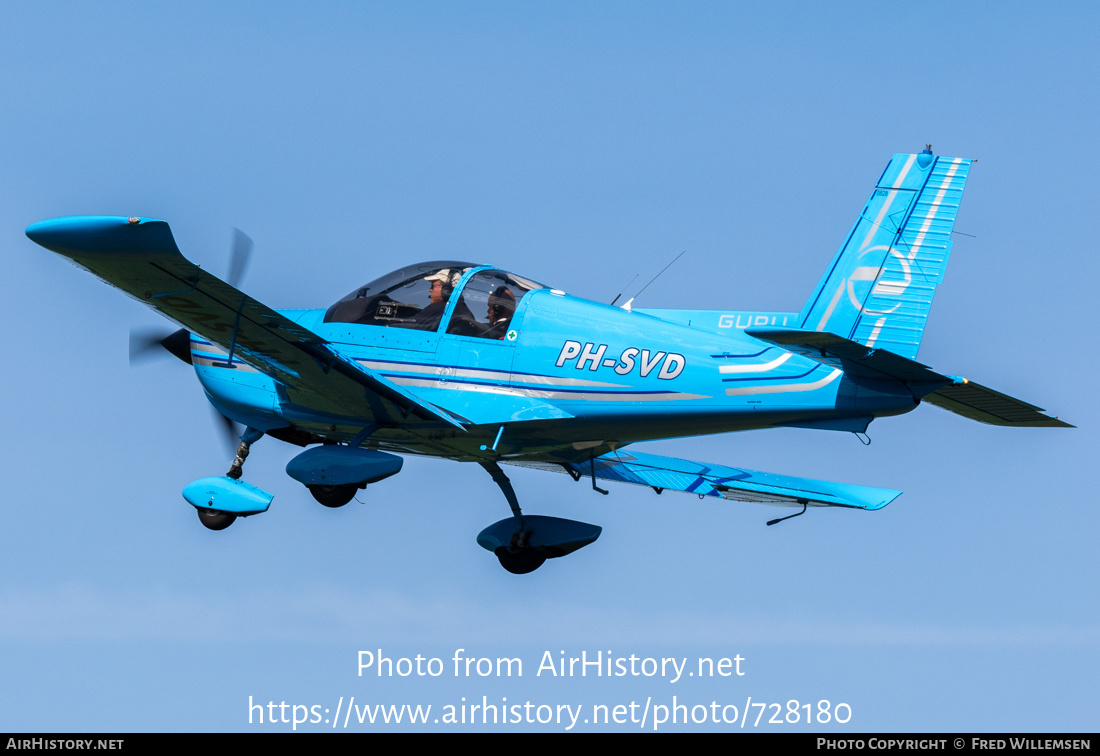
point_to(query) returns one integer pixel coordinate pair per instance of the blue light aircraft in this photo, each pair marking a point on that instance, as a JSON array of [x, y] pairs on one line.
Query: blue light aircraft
[[475, 364]]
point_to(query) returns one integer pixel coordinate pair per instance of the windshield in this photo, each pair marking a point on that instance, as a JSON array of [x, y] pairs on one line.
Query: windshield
[[417, 296]]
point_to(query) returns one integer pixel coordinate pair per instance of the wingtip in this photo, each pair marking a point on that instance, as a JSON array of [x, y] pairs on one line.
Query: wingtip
[[81, 234], [55, 229]]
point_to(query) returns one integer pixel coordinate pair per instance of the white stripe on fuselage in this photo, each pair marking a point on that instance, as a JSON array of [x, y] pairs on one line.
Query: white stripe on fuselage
[[608, 396], [480, 373], [761, 368], [786, 388]]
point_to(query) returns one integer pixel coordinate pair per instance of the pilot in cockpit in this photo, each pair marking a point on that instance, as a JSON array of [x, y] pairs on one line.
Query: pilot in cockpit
[[442, 285]]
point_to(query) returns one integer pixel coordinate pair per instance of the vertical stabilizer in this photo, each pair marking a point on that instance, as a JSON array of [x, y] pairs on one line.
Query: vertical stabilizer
[[880, 285]]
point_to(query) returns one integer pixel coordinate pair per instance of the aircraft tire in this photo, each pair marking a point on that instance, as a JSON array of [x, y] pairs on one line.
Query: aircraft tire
[[214, 519], [520, 562], [333, 496]]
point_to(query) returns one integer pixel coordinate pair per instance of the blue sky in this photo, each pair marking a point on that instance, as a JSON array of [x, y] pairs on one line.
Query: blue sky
[[579, 145]]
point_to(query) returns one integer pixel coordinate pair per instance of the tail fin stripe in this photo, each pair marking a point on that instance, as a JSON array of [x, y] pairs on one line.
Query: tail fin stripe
[[936, 203], [878, 329], [904, 171], [831, 307]]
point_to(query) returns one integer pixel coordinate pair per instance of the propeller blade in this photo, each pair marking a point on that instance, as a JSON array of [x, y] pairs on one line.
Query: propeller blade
[[238, 259], [228, 430], [146, 343]]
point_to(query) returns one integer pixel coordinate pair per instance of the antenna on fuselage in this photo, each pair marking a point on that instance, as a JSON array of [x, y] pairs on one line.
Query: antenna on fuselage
[[629, 302], [616, 299]]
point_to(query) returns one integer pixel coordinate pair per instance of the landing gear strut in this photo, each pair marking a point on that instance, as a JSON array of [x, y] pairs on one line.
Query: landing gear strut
[[249, 437], [518, 556]]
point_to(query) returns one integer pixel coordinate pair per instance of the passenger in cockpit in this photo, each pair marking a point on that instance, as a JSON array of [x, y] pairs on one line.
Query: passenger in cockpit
[[502, 306]]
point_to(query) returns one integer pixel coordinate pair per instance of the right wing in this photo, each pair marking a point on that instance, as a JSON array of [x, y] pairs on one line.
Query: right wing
[[734, 483], [140, 257]]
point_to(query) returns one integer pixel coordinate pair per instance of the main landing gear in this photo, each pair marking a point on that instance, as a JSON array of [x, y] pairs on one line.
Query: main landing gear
[[334, 473], [522, 542]]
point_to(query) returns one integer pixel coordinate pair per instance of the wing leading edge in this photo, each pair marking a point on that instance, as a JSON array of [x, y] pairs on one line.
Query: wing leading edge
[[140, 257]]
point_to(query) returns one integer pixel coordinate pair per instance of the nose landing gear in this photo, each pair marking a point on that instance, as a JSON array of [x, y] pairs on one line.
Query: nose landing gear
[[215, 520], [220, 501]]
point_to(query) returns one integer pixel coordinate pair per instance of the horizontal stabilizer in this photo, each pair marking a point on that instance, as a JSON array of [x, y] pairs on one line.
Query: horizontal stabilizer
[[985, 405], [733, 483], [958, 395]]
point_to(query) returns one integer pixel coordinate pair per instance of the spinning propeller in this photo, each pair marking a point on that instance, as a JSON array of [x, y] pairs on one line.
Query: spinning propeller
[[146, 343]]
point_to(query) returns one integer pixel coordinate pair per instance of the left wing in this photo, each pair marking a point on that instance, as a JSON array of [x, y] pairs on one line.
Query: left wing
[[734, 483], [140, 257]]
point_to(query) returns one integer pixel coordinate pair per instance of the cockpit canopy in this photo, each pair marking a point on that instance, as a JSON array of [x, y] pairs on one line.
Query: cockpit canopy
[[419, 296]]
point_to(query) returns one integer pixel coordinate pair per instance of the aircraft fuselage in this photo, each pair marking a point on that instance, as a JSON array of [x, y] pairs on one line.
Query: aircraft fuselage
[[618, 377]]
